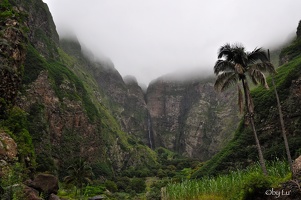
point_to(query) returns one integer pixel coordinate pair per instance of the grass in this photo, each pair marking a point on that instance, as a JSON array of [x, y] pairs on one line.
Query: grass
[[237, 184]]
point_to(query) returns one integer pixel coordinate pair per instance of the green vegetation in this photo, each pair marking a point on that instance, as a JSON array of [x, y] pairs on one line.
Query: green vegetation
[[65, 82], [236, 185], [291, 51], [15, 124], [80, 174], [283, 80], [10, 182]]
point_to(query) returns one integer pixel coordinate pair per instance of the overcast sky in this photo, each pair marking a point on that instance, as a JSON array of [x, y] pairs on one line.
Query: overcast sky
[[150, 38]]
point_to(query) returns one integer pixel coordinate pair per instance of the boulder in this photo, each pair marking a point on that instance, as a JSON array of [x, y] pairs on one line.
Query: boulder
[[8, 147], [31, 194], [54, 197], [45, 183], [297, 167]]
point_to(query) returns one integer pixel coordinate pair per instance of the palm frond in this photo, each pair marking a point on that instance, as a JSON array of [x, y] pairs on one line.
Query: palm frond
[[253, 79], [259, 77], [264, 67], [258, 54], [230, 81], [221, 79], [223, 66], [225, 51]]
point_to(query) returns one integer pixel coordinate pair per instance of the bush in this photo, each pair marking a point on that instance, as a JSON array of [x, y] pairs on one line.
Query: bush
[[123, 183], [111, 186], [16, 125], [93, 190], [256, 183], [138, 184]]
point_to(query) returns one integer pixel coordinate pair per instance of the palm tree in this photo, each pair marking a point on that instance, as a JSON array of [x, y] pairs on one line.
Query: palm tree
[[283, 130], [234, 65], [79, 174]]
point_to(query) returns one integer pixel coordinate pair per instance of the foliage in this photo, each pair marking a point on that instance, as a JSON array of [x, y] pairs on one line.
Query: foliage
[[16, 125], [238, 184], [138, 184], [79, 174], [93, 190], [263, 99], [293, 50], [101, 168], [34, 64], [10, 182], [111, 186], [6, 10], [155, 190], [255, 184]]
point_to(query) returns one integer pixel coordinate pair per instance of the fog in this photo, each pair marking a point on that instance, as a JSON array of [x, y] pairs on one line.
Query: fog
[[151, 38]]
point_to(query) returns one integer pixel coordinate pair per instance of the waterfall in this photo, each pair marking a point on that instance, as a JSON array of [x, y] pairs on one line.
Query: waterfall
[[149, 130]]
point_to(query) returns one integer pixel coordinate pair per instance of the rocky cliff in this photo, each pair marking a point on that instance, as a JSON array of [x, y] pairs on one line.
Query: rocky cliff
[[190, 117]]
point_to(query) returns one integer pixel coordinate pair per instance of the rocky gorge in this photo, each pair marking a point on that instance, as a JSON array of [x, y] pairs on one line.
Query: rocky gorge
[[59, 103]]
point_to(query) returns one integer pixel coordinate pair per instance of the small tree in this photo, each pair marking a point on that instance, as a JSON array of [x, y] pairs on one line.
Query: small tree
[[79, 174]]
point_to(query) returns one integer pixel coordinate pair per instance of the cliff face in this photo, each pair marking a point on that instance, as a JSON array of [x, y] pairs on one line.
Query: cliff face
[[58, 105], [12, 54], [191, 118]]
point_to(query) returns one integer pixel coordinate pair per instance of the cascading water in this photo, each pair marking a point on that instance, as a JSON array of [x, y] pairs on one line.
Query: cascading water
[[149, 130]]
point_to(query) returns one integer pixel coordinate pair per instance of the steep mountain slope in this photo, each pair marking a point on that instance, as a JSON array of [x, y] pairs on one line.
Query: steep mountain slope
[[241, 151], [65, 118]]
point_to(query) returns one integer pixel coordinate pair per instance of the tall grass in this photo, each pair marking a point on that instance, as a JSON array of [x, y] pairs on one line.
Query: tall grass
[[235, 185]]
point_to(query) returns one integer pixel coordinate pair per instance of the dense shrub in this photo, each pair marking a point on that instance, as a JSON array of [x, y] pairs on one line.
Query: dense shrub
[[111, 186], [255, 183], [138, 184]]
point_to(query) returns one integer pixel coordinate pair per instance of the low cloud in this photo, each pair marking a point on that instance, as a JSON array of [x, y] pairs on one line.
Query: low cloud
[[148, 39]]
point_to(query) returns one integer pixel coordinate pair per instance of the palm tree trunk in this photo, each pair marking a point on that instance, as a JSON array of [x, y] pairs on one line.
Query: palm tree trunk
[[250, 113], [288, 154]]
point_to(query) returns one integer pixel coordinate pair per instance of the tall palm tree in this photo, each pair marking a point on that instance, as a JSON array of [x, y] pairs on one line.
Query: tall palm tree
[[283, 130], [233, 66]]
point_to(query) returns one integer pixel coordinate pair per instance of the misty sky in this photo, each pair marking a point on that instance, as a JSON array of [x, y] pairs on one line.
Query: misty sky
[[150, 38]]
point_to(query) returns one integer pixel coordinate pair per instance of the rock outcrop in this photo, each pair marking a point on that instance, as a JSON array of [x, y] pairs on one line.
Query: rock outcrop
[[12, 56], [44, 183], [8, 148]]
